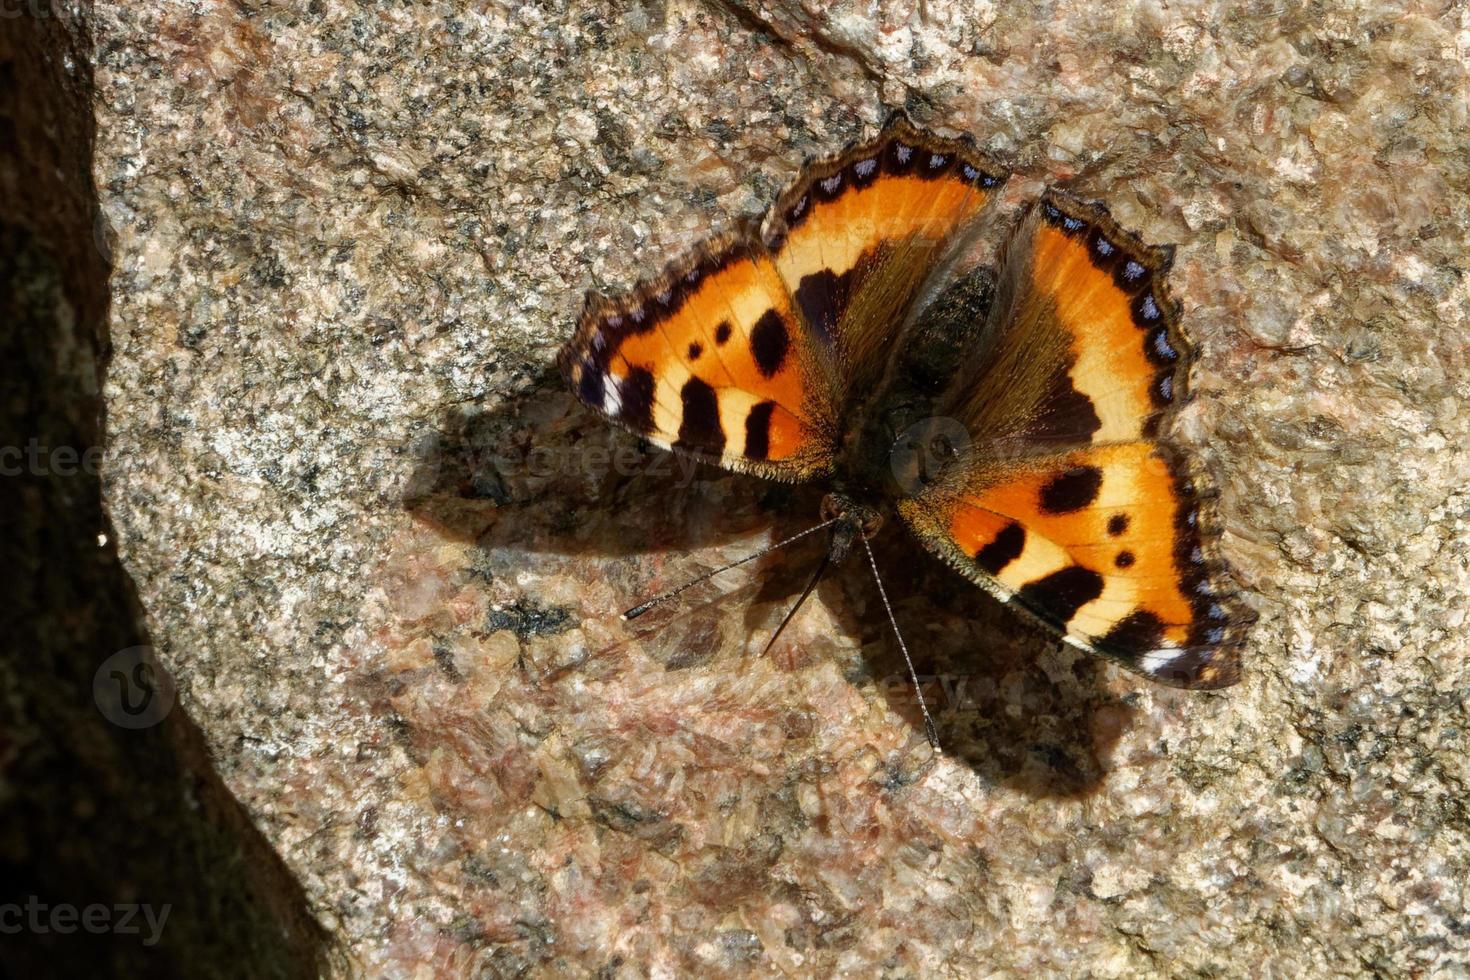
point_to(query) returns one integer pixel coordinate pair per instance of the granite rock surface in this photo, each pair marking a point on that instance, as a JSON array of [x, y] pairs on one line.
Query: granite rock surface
[[122, 853], [384, 554]]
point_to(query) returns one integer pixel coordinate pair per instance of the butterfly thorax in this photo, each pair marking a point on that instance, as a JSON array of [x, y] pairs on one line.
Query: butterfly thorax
[[897, 441]]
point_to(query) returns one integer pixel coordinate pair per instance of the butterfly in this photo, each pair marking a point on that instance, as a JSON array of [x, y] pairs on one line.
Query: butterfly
[[1012, 414]]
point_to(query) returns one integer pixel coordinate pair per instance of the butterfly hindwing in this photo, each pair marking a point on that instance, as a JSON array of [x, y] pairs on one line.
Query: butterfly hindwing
[[1067, 503], [1110, 545]]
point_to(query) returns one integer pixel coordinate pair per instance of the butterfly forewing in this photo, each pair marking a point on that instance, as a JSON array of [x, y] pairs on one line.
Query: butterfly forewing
[[744, 353], [710, 359], [857, 237]]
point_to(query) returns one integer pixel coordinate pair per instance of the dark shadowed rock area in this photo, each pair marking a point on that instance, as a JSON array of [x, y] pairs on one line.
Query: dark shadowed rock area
[[122, 853], [383, 553]]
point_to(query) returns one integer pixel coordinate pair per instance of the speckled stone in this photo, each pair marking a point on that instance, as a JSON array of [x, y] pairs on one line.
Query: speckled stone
[[384, 554]]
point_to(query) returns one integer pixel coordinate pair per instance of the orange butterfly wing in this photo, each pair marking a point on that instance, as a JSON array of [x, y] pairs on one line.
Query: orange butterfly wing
[[710, 359], [1108, 546], [741, 354], [859, 237], [1068, 504]]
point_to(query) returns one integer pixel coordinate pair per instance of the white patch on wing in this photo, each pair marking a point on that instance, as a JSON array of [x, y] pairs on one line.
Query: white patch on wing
[[612, 396], [1156, 660]]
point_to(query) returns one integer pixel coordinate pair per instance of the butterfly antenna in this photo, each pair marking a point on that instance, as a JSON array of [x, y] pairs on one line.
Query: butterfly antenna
[[929, 729], [816, 577], [643, 607]]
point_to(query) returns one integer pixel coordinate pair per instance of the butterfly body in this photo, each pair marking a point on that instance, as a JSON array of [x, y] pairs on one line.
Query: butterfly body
[[898, 442], [1007, 410]]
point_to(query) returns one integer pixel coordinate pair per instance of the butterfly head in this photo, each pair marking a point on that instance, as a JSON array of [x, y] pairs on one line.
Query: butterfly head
[[853, 519]]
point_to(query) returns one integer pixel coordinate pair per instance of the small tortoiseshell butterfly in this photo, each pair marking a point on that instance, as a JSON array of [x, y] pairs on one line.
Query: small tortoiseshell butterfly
[[1011, 415]]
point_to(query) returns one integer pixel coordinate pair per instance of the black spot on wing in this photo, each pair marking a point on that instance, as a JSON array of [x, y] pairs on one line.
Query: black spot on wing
[[798, 211], [758, 431], [638, 321], [864, 171], [1065, 414], [1004, 549], [1059, 595], [590, 387], [822, 297], [636, 394], [669, 299], [769, 343], [830, 187], [1148, 316], [700, 429], [722, 332], [1071, 490], [1162, 390], [1117, 524], [1135, 634], [1132, 276], [1124, 559], [934, 163], [1105, 253], [695, 350]]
